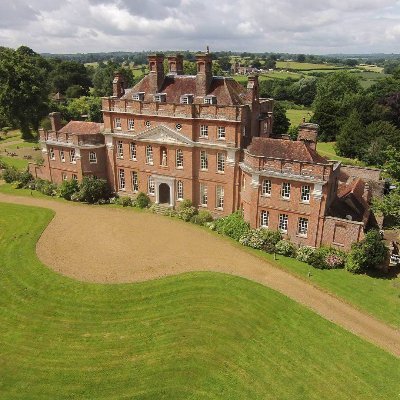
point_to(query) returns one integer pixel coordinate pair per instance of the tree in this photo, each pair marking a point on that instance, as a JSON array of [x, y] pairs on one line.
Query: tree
[[301, 58], [392, 164], [92, 190], [389, 207], [350, 141], [23, 89], [89, 106], [104, 75], [304, 90], [281, 121], [225, 63]]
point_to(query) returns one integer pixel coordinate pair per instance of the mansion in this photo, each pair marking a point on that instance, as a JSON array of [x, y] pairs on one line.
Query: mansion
[[209, 139]]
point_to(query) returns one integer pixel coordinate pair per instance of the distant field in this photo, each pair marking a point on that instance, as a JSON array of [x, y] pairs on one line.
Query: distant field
[[327, 150], [371, 68], [305, 66], [296, 116]]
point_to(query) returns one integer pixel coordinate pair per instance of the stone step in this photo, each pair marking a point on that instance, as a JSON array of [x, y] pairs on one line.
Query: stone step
[[161, 209]]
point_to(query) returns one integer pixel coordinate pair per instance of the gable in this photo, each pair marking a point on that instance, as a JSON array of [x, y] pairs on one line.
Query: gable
[[164, 135]]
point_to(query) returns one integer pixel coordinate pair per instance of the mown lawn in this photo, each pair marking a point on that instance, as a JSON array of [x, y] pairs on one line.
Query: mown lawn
[[19, 163], [194, 336], [296, 116], [306, 66], [327, 149]]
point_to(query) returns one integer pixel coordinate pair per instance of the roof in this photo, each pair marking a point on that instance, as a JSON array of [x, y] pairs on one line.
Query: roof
[[82, 128], [284, 149], [227, 90]]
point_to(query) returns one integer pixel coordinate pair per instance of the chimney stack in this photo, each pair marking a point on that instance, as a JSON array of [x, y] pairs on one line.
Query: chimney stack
[[118, 85], [175, 64], [55, 119], [252, 85], [204, 74], [308, 133], [156, 75]]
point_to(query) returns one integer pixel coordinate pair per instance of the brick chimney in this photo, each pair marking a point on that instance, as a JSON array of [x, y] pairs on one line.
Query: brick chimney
[[308, 133], [252, 85], [204, 74], [175, 64], [118, 85], [156, 75], [55, 119]]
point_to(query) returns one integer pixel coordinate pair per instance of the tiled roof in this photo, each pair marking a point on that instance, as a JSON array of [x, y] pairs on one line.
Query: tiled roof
[[82, 128], [227, 90], [284, 149]]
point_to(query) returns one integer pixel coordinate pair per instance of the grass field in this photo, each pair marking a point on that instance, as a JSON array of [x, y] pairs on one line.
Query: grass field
[[327, 150], [306, 66], [194, 336], [16, 162], [296, 116]]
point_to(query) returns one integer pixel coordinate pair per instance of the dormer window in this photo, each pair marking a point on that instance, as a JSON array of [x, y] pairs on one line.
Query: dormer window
[[210, 100], [187, 99], [160, 97], [139, 96]]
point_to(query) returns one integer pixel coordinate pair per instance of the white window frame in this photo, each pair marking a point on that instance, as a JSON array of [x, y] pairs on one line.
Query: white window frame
[[179, 190], [117, 123], [283, 223], [72, 156], [120, 149], [221, 132], [266, 187], [203, 160], [52, 154], [179, 158], [133, 149], [221, 162], [210, 100], [92, 157], [151, 186], [135, 181], [302, 227], [204, 131], [219, 200], [305, 193], [64, 176], [203, 195], [131, 124], [264, 219], [285, 191], [149, 155], [121, 179], [74, 177], [62, 156]]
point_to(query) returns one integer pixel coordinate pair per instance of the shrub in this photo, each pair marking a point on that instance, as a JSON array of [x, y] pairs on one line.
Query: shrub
[[3, 164], [233, 226], [125, 201], [304, 253], [286, 248], [202, 218], [93, 189], [46, 187], [273, 237], [25, 178], [68, 188], [10, 174], [259, 238], [367, 254], [186, 211], [327, 258], [142, 200]]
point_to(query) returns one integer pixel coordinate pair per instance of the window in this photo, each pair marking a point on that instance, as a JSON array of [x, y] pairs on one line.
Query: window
[[179, 190], [203, 194], [149, 155], [220, 197], [62, 156], [160, 97], [131, 124], [179, 158], [285, 190], [92, 157], [120, 149], [221, 132], [204, 131], [64, 176], [266, 187], [135, 182], [138, 96], [187, 99], [147, 124], [210, 100], [121, 174], [264, 219], [203, 160], [72, 156], [52, 155], [133, 151], [303, 226], [117, 123], [151, 186], [283, 223], [220, 162], [305, 194], [74, 177]]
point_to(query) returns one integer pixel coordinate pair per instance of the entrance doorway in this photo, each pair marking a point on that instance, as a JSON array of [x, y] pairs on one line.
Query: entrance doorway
[[164, 194]]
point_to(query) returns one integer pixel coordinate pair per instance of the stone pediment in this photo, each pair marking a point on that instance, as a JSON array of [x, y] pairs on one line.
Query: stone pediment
[[165, 135]]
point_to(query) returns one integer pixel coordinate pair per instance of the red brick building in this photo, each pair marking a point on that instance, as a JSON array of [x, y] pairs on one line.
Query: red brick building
[[209, 139]]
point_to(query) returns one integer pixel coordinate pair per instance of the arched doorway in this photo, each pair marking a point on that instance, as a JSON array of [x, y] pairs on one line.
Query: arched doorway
[[164, 194]]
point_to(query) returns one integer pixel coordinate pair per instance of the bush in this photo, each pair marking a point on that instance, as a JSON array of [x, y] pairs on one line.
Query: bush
[[125, 201], [273, 237], [46, 187], [10, 174], [3, 164], [286, 248], [186, 211], [233, 226], [202, 218], [25, 178], [367, 254], [260, 238], [142, 200], [68, 188], [92, 190], [304, 253], [327, 258]]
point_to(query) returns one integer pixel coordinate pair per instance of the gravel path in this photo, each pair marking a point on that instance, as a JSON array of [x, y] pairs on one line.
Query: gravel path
[[97, 244]]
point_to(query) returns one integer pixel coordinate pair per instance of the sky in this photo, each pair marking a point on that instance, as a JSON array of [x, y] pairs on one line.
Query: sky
[[293, 26]]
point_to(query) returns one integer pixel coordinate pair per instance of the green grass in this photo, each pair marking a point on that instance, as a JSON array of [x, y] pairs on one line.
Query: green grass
[[327, 150], [11, 136], [296, 116], [19, 163], [306, 66], [22, 145], [194, 336]]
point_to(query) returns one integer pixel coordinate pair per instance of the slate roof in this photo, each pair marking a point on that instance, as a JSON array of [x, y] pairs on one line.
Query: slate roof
[[284, 149], [82, 128]]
